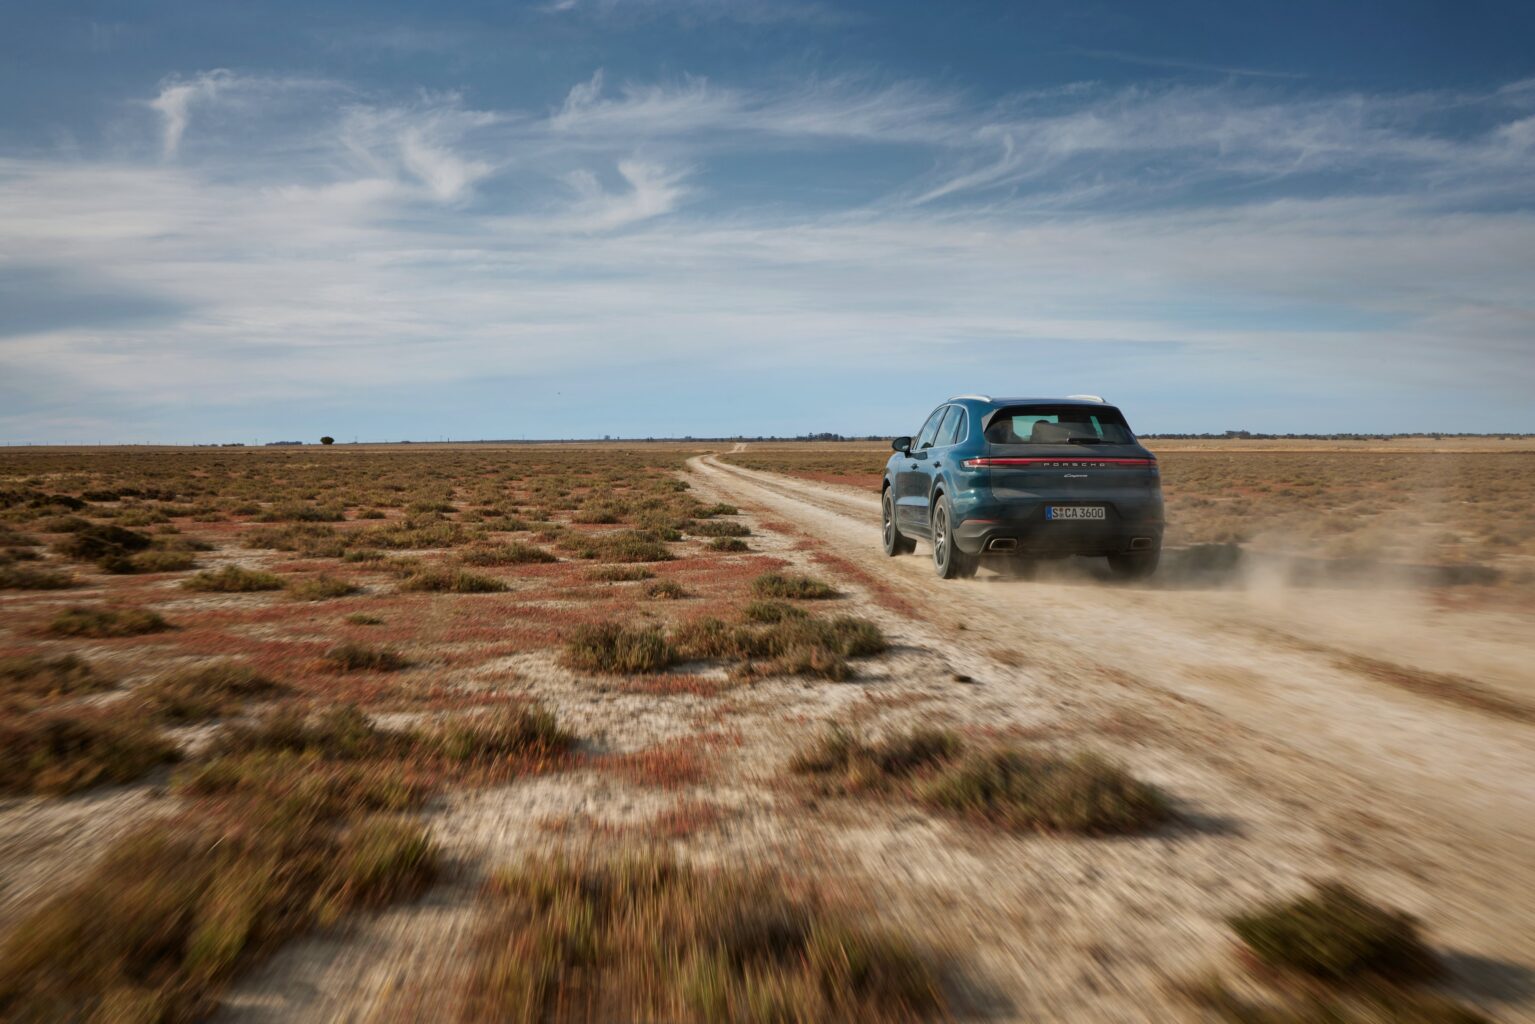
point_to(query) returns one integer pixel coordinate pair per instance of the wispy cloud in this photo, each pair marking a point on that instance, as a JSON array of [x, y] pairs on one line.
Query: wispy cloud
[[393, 242], [1146, 60]]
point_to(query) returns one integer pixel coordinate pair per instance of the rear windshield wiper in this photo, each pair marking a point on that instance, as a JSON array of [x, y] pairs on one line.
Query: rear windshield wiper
[[1085, 440]]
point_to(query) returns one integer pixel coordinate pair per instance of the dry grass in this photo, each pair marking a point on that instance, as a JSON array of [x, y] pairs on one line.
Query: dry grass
[[208, 691], [355, 657], [1021, 790], [645, 938], [64, 753], [233, 579], [28, 680], [101, 623], [320, 588], [793, 587]]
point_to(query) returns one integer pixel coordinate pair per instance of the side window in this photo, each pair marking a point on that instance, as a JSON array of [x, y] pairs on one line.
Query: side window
[[930, 428], [953, 429]]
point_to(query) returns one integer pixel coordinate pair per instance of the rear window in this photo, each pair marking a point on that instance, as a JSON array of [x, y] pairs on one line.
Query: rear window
[[1058, 424]]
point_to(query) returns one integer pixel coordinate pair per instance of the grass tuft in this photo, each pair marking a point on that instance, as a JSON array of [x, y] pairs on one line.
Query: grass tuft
[[320, 588], [1336, 935], [353, 657], [615, 649], [728, 544], [514, 553], [798, 588], [106, 622], [1025, 790], [620, 573], [666, 590], [208, 691], [503, 733], [644, 938], [25, 577], [60, 753], [232, 579], [437, 580]]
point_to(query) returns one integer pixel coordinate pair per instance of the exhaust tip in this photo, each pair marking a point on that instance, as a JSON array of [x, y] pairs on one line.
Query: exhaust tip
[[1003, 544], [1140, 544]]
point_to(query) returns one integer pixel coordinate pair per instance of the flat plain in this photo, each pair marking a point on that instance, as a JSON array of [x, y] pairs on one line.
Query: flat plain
[[656, 732]]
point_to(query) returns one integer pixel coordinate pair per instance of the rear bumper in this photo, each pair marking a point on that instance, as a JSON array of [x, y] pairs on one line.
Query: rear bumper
[[1047, 539]]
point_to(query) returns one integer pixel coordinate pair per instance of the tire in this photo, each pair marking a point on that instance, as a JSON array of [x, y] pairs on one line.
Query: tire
[[896, 543], [948, 560], [1134, 565]]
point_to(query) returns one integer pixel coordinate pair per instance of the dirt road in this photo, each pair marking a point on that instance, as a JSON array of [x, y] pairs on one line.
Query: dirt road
[[1355, 732]]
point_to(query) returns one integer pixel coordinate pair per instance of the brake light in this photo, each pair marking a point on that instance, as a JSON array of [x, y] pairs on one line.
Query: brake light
[[1045, 462]]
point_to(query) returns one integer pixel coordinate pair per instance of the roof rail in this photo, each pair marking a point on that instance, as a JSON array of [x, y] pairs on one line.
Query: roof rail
[[1088, 398], [978, 398]]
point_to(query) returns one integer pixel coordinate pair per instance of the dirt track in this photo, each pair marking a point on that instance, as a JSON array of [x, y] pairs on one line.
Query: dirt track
[[1327, 732]]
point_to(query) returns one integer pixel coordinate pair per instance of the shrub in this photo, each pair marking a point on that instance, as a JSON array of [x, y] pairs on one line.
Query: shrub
[[350, 657], [619, 546], [666, 590], [1025, 790], [801, 588], [514, 553], [710, 528], [172, 911], [29, 678], [1338, 936], [729, 544], [620, 573], [524, 732], [612, 648], [155, 560], [319, 588], [232, 579], [645, 938], [856, 765], [300, 512], [205, 692], [450, 581], [59, 753], [770, 612], [106, 622], [340, 734], [24, 577], [97, 542], [359, 619]]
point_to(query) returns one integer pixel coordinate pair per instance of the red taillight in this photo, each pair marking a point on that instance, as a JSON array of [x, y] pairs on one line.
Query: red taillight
[[1047, 462]]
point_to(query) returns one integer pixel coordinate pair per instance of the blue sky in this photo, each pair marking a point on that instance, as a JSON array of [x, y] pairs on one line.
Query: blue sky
[[666, 217]]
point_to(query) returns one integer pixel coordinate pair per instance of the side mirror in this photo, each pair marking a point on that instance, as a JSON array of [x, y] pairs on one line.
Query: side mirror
[[902, 445]]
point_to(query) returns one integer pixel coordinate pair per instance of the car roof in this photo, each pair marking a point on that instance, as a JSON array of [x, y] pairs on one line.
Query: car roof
[[1000, 402]]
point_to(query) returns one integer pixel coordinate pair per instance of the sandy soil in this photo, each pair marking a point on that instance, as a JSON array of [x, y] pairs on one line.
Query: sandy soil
[[1305, 733], [1280, 714]]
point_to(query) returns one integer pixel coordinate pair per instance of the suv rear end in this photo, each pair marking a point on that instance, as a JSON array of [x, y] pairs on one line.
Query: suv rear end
[[1030, 479]]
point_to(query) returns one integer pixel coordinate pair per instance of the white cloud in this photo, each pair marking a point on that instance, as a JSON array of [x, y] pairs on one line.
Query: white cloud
[[385, 243], [175, 103]]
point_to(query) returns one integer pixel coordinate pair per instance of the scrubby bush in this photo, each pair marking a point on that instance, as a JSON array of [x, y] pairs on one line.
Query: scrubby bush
[[205, 691], [1336, 935], [612, 648], [319, 588], [437, 580], [63, 753], [350, 657], [645, 938], [728, 544], [518, 732], [1025, 790], [233, 579], [514, 553], [26, 679], [620, 573], [106, 622], [666, 590], [799, 588]]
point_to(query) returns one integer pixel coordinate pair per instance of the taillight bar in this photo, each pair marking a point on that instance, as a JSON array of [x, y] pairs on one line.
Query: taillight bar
[[1046, 461]]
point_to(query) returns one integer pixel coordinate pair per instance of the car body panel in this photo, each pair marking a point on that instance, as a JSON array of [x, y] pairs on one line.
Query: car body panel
[[1004, 502]]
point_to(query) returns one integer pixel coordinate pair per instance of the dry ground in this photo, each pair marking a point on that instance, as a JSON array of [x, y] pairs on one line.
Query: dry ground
[[1372, 729]]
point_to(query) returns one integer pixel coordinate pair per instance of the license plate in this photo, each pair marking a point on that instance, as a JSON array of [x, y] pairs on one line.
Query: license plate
[[1054, 512]]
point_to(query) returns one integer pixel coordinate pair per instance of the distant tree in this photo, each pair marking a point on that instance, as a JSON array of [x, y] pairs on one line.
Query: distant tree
[[327, 440]]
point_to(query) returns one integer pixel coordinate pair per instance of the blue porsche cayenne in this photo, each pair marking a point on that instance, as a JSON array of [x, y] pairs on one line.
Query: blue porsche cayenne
[[1009, 481]]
